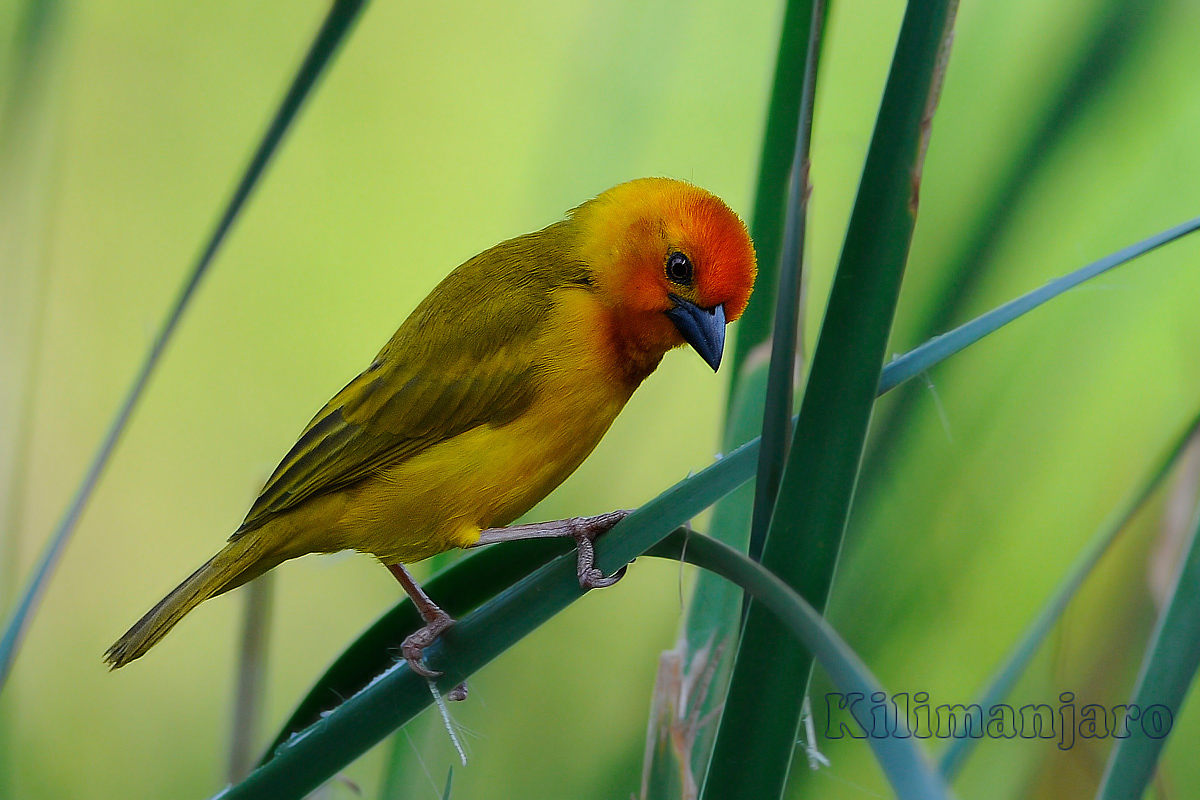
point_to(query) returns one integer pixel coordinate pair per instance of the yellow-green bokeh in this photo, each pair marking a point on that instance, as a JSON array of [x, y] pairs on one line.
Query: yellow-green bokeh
[[443, 128]]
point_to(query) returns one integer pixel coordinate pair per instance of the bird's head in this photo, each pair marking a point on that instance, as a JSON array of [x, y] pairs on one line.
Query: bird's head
[[672, 262]]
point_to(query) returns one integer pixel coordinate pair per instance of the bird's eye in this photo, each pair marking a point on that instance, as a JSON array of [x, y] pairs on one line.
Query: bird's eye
[[679, 268]]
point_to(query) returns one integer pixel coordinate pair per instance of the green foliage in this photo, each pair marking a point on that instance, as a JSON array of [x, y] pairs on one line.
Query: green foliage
[[777, 408], [771, 190], [511, 589], [465, 586], [762, 713], [947, 537], [337, 24], [311, 756], [906, 766], [1168, 671], [1023, 651]]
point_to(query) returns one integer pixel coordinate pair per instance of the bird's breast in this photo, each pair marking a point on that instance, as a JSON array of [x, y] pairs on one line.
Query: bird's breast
[[490, 475]]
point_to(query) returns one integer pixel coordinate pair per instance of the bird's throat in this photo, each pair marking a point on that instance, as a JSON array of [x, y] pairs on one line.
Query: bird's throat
[[638, 345]]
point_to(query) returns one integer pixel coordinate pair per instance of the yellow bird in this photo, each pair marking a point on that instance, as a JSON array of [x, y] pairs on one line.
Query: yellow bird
[[491, 393]]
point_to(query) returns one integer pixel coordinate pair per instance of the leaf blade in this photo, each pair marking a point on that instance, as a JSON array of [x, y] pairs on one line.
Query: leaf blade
[[777, 410], [779, 141], [367, 656], [907, 768], [337, 25], [1021, 654], [939, 348], [756, 739], [1167, 673]]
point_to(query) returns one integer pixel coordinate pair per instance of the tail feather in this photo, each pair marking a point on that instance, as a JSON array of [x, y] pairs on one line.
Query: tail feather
[[237, 563]]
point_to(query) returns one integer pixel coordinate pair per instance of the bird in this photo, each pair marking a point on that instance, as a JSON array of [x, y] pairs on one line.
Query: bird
[[493, 390]]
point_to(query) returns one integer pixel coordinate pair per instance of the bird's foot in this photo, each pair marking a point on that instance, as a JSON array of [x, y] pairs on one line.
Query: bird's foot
[[585, 531], [436, 623], [415, 643]]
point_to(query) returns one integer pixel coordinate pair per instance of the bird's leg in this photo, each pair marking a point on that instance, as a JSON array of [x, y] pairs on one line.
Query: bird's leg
[[584, 530], [436, 623]]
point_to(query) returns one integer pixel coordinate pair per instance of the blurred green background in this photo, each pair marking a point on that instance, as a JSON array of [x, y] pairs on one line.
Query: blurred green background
[[442, 129]]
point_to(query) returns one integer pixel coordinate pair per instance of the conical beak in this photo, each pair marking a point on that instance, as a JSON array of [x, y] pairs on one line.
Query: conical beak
[[702, 328]]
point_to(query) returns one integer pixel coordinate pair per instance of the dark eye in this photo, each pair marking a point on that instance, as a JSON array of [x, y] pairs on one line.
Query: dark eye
[[679, 268]]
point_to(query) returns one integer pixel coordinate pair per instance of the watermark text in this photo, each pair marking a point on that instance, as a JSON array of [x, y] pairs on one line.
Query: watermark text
[[902, 716]]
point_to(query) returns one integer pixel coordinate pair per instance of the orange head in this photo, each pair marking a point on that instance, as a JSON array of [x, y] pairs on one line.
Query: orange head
[[672, 262]]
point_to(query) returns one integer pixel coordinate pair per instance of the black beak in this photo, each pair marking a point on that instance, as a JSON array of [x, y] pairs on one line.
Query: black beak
[[702, 328]]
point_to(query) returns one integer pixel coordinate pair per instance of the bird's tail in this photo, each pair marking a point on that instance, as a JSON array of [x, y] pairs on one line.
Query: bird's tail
[[239, 561]]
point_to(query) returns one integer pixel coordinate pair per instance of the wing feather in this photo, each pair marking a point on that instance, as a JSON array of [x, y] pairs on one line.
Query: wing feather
[[467, 356]]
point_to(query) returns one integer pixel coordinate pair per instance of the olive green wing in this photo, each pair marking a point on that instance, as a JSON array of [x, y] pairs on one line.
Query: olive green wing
[[387, 415], [467, 356], [437, 378]]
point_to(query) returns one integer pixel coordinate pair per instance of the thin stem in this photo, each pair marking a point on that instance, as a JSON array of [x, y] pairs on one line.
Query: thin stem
[[337, 24], [251, 676]]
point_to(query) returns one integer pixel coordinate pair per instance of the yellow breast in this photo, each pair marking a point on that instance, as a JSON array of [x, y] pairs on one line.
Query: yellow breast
[[489, 476]]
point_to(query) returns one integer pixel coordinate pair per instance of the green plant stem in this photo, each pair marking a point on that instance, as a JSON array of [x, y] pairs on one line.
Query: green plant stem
[[779, 142], [1099, 60], [248, 698], [715, 608], [777, 410], [483, 575], [939, 348], [26, 149], [714, 611], [759, 726], [907, 769], [312, 756]]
